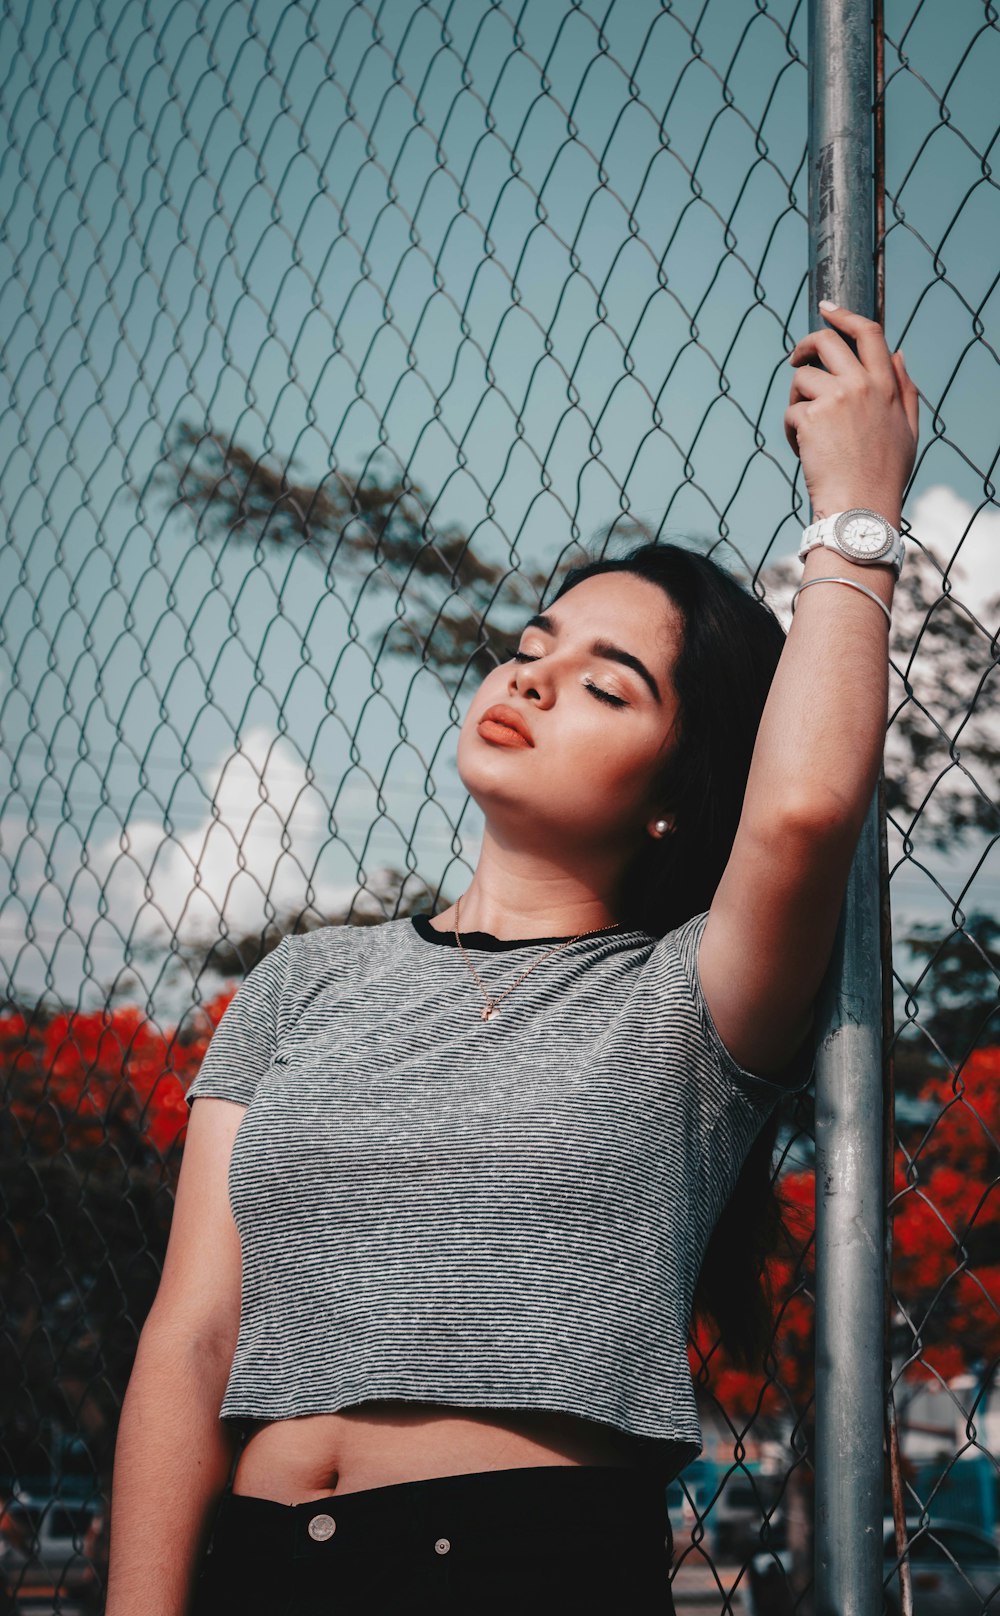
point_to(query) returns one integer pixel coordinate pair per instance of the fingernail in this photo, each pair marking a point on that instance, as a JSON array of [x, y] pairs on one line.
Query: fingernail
[[825, 303]]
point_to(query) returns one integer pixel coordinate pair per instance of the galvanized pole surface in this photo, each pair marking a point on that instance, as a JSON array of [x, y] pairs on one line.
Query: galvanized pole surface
[[849, 1172]]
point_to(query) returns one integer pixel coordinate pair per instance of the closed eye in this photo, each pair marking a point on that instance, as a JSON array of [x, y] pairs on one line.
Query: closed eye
[[595, 690]]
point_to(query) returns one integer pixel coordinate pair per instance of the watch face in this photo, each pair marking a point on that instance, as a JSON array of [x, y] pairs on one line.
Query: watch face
[[863, 536]]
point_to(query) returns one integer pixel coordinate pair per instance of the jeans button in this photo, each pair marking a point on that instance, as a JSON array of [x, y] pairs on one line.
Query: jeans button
[[321, 1527], [442, 1546]]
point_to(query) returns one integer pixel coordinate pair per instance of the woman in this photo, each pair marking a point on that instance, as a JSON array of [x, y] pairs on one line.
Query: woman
[[485, 1158]]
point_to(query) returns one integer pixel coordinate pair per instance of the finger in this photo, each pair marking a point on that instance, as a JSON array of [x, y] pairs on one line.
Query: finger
[[827, 346], [868, 336], [808, 382], [908, 393], [793, 416]]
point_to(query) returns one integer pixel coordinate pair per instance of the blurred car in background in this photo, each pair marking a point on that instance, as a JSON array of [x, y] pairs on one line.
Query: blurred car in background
[[730, 1504], [45, 1547], [954, 1571]]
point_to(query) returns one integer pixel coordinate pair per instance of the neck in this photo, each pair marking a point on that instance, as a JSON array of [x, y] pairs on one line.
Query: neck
[[518, 893]]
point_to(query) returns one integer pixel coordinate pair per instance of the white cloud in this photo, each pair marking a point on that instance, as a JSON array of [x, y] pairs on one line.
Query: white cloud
[[260, 846], [939, 519]]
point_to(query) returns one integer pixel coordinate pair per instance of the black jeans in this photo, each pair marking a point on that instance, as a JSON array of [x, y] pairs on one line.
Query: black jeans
[[542, 1538]]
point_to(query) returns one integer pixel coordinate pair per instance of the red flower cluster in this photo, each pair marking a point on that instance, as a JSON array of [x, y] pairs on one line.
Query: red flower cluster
[[946, 1223], [786, 1381], [71, 1072], [946, 1245]]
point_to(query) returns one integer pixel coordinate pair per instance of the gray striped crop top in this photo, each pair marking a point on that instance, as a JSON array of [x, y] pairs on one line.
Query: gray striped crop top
[[506, 1214]]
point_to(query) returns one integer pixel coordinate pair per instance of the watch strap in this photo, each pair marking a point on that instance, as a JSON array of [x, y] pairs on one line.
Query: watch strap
[[824, 532]]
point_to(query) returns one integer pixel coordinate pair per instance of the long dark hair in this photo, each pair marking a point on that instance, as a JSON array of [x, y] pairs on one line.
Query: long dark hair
[[730, 645]]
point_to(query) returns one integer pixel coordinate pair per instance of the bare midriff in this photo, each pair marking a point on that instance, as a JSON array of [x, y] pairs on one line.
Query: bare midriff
[[381, 1444]]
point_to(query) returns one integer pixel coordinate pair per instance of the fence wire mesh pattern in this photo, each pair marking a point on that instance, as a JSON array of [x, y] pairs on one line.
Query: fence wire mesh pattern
[[331, 336], [939, 259]]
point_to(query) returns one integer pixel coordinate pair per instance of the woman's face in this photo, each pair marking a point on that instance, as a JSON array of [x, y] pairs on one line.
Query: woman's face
[[597, 729]]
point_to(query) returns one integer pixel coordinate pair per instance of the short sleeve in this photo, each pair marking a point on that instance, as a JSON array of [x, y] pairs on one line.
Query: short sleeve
[[244, 1043], [685, 941]]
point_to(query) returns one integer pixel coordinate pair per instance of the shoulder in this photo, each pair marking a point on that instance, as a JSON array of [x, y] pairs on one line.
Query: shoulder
[[357, 941], [332, 952], [674, 969]]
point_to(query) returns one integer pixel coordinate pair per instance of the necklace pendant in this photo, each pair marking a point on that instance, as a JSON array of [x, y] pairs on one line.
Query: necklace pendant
[[489, 1012]]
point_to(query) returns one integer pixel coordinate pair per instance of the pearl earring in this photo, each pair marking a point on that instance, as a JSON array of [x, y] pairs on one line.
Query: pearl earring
[[661, 827]]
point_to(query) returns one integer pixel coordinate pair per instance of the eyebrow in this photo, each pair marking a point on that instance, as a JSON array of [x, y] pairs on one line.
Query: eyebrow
[[604, 649]]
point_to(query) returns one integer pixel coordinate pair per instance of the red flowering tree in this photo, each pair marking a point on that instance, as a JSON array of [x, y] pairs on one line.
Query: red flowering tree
[[90, 1145], [946, 1255], [946, 1229], [782, 1391], [946, 1277]]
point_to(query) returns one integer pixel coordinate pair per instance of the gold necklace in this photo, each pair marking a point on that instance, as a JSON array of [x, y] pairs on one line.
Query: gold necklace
[[490, 1009]]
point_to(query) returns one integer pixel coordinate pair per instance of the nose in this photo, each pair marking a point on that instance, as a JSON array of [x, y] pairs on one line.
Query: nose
[[532, 681]]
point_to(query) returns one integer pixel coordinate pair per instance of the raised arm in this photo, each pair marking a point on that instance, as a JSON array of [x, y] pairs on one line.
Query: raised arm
[[770, 931]]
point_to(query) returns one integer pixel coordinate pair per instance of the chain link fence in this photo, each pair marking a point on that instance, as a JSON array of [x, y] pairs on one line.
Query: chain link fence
[[331, 337], [940, 231]]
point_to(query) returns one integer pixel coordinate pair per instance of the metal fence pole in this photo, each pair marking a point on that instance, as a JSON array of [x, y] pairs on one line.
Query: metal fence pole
[[849, 1173]]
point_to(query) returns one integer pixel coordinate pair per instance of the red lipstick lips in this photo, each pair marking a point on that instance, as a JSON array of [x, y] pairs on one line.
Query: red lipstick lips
[[505, 726]]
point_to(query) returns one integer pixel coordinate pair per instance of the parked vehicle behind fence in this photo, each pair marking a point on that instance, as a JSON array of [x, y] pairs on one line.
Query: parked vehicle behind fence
[[45, 1546]]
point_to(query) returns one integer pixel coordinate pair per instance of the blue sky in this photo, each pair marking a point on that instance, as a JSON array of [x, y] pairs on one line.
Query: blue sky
[[550, 267]]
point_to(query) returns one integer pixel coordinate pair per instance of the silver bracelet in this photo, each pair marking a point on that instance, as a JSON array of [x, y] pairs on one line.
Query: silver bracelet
[[851, 585]]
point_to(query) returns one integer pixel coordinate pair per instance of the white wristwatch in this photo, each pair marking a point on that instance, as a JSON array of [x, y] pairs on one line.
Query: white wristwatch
[[862, 536]]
